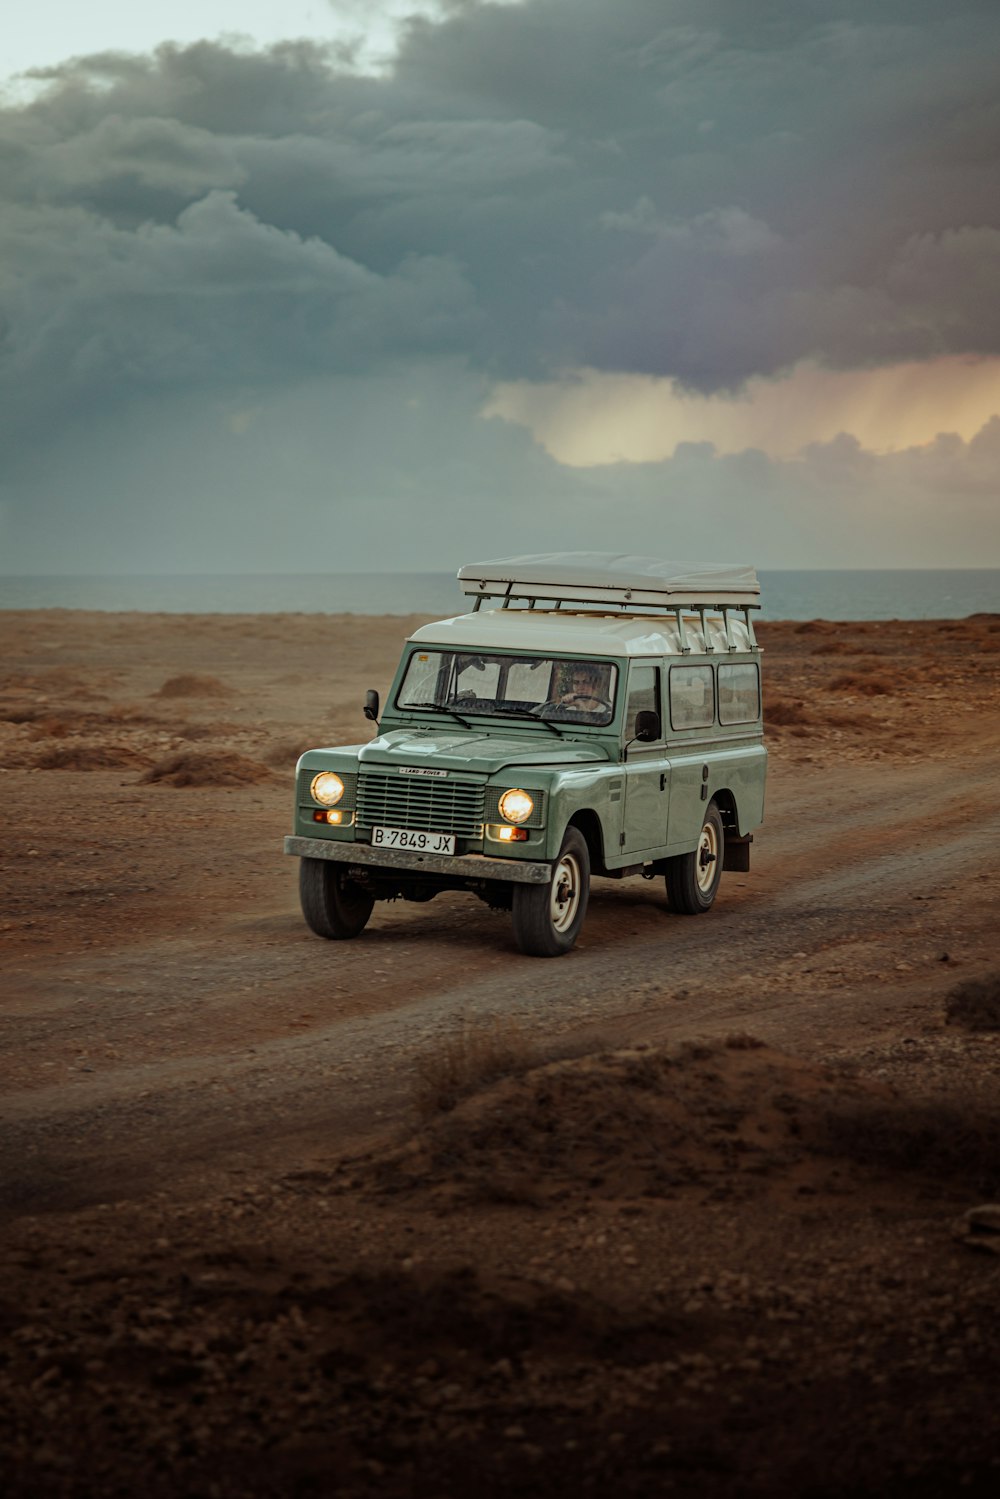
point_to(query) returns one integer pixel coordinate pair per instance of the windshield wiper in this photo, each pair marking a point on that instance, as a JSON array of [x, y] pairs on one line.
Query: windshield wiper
[[534, 719], [440, 708]]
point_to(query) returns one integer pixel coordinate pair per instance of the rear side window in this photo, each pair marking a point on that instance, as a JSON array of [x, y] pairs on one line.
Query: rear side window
[[692, 697], [739, 693]]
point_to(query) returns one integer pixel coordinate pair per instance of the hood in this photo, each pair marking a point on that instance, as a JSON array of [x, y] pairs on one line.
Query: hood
[[475, 752]]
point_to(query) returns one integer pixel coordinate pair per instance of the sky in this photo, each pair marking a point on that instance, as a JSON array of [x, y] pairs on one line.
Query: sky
[[387, 286]]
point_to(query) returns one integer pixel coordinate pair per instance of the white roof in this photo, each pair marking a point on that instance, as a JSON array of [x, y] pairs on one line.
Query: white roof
[[610, 577], [562, 633]]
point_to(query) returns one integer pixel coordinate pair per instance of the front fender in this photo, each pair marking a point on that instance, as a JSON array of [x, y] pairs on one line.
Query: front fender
[[596, 793]]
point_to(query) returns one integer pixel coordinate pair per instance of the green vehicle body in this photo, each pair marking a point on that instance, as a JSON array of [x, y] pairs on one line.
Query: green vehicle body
[[636, 791]]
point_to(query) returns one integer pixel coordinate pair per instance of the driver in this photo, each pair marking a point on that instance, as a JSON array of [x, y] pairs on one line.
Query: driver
[[588, 694]]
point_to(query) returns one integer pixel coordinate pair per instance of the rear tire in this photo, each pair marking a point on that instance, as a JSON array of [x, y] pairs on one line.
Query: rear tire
[[692, 880], [547, 918], [333, 905]]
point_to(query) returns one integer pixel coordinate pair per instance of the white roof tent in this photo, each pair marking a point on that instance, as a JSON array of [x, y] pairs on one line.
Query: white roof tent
[[616, 583]]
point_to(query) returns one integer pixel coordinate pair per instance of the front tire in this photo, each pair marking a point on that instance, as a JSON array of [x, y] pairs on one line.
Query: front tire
[[333, 905], [547, 918], [692, 880]]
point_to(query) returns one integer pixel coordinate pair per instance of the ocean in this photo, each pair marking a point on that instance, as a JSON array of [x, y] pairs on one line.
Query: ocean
[[843, 594]]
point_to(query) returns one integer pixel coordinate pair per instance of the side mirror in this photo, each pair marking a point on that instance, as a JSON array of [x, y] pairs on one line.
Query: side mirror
[[647, 726], [371, 705]]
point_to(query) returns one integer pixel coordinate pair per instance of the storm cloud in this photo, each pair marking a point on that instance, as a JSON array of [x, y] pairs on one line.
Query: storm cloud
[[699, 189]]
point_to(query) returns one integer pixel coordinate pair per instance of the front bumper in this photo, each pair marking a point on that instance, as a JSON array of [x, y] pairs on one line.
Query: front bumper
[[467, 866]]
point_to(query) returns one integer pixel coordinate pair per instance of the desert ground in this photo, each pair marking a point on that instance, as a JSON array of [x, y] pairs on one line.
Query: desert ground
[[707, 1207]]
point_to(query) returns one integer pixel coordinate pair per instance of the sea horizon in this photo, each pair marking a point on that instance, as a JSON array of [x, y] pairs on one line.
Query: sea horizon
[[786, 593]]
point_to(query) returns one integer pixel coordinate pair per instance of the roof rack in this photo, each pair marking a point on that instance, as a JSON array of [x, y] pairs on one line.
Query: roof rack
[[616, 582]]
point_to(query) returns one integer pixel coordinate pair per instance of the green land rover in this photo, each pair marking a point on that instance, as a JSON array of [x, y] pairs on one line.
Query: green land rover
[[602, 715]]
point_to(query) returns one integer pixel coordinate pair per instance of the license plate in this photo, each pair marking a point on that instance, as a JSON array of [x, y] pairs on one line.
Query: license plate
[[423, 843]]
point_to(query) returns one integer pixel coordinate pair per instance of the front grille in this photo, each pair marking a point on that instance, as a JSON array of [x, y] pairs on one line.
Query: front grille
[[440, 806]]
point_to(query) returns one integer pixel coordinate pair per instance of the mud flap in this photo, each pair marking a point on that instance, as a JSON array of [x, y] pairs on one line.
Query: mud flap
[[736, 852]]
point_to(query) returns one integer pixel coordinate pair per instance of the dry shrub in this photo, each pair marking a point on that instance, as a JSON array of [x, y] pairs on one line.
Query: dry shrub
[[54, 728], [190, 684], [958, 1143], [866, 685], [473, 1059], [815, 627], [833, 648], [22, 713], [90, 757], [197, 768], [784, 710], [199, 730], [975, 1003]]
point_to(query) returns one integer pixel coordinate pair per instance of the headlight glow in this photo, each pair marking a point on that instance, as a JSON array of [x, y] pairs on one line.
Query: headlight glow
[[326, 788], [516, 806]]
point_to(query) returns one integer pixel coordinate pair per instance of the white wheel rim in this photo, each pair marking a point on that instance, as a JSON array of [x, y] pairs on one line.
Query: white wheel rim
[[708, 857], [564, 899]]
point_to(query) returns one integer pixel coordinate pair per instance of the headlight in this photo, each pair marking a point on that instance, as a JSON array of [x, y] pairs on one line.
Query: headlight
[[326, 788], [516, 806]]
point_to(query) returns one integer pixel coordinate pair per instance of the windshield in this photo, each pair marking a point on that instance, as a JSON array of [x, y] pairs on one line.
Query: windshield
[[511, 686]]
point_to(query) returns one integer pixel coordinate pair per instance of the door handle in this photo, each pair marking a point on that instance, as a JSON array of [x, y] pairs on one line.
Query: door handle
[[663, 780]]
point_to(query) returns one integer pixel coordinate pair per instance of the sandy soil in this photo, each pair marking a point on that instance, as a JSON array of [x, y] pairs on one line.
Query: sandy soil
[[417, 1215]]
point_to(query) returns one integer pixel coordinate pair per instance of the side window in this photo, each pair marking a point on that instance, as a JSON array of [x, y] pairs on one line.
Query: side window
[[692, 697], [643, 695], [739, 693]]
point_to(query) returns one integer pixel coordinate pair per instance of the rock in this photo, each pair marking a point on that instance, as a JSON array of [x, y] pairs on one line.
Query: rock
[[979, 1228]]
